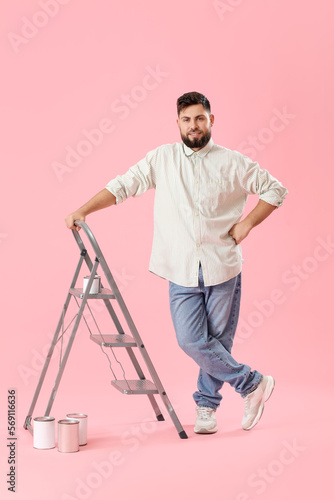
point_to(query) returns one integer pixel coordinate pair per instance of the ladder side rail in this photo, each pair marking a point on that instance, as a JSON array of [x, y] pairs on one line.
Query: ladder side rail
[[135, 363], [115, 319], [90, 236], [71, 339], [90, 266], [52, 346], [83, 249], [141, 376]]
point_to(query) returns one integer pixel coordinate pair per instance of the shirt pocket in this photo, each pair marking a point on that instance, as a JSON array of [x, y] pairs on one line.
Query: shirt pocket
[[219, 190], [223, 198]]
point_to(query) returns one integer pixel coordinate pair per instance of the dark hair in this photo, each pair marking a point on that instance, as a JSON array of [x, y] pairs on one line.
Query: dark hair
[[192, 98]]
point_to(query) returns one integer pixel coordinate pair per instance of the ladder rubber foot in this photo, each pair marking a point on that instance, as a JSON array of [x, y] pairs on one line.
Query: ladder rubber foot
[[160, 417], [183, 435]]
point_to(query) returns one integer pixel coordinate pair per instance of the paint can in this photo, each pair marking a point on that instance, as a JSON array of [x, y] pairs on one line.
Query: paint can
[[44, 433], [68, 436], [82, 419], [96, 285]]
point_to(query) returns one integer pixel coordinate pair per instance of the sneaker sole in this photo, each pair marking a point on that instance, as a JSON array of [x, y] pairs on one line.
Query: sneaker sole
[[203, 430], [266, 395]]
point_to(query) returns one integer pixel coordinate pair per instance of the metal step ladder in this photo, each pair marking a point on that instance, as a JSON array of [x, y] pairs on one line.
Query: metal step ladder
[[139, 386]]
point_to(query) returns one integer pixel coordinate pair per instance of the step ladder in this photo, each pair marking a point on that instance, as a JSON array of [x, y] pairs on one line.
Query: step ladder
[[120, 340]]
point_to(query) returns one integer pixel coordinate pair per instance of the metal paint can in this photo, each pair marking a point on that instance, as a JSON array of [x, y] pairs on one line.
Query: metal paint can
[[83, 420], [96, 285], [68, 436], [44, 433]]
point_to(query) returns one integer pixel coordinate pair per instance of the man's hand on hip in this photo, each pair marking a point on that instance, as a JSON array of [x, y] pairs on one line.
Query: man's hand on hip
[[239, 231]]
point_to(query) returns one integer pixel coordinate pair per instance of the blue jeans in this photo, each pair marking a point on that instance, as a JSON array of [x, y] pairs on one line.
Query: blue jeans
[[205, 320]]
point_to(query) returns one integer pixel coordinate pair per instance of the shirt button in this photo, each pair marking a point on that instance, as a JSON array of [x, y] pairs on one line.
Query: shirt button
[[196, 215], [198, 245]]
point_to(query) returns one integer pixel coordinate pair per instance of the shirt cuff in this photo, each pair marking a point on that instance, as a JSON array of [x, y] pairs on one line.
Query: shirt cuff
[[115, 188], [274, 197]]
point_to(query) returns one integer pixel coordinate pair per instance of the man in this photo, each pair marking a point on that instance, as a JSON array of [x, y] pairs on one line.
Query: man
[[201, 191]]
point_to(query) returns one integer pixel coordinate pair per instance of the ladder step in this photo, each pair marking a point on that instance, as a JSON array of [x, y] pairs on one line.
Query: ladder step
[[104, 294], [120, 340], [135, 386]]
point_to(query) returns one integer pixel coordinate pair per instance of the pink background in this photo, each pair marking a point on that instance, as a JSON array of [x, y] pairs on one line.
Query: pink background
[[65, 69]]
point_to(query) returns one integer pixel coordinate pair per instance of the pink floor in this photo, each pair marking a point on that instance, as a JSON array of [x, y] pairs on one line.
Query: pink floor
[[129, 454]]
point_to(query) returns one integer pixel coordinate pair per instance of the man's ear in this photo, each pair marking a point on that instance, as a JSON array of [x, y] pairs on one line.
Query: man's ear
[[212, 119]]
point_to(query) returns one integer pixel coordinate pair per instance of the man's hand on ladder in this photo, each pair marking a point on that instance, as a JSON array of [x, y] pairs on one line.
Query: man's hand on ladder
[[73, 217]]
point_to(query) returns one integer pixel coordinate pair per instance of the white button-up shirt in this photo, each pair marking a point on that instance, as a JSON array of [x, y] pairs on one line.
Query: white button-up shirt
[[198, 198]]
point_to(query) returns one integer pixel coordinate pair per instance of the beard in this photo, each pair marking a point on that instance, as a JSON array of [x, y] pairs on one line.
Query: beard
[[197, 142]]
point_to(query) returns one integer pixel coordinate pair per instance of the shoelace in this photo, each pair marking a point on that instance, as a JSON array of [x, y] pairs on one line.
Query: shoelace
[[204, 412], [246, 401]]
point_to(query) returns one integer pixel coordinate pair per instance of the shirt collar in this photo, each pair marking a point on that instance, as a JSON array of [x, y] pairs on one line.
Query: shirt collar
[[202, 152]]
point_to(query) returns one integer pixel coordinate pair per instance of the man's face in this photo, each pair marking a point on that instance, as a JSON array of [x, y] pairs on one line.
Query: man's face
[[195, 126]]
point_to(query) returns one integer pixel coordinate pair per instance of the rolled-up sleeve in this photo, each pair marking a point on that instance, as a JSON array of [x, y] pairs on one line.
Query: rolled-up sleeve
[[138, 179], [255, 180]]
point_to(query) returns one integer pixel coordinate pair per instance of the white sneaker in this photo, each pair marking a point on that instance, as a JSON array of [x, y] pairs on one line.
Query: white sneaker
[[254, 402], [205, 421]]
